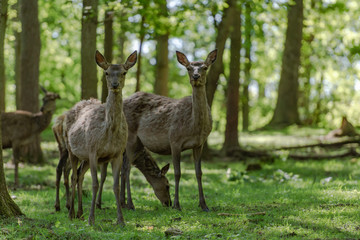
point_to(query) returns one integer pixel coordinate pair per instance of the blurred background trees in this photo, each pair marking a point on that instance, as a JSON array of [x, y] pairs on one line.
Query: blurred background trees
[[325, 74]]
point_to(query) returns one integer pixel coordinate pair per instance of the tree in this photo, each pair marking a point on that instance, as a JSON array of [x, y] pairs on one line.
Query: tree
[[142, 36], [8, 207], [3, 20], [162, 53], [29, 73], [286, 110], [88, 48], [108, 45], [232, 102]]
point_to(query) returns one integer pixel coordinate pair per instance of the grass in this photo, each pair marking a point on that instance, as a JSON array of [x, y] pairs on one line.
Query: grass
[[284, 200]]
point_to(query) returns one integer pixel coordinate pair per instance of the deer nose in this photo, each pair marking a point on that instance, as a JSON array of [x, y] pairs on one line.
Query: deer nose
[[115, 85], [196, 76]]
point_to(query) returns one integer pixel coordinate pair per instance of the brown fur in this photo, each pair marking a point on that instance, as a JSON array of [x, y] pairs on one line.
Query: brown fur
[[96, 133], [20, 127], [170, 126]]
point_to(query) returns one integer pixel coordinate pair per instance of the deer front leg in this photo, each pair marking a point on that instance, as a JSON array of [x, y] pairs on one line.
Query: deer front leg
[[59, 169], [197, 157], [81, 173], [95, 186], [176, 155], [74, 162], [16, 155], [103, 169], [125, 179], [67, 170], [116, 167]]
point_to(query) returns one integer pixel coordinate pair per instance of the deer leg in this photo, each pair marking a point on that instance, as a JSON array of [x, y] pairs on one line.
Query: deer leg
[[81, 173], [59, 169], [123, 182], [74, 162], [197, 158], [130, 204], [16, 155], [95, 186], [67, 170], [116, 167], [103, 169], [176, 155]]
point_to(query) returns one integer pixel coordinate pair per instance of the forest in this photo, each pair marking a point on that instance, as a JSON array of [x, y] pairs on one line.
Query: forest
[[281, 79]]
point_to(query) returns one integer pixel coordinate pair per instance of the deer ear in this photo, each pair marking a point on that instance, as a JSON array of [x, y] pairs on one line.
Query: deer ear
[[131, 60], [182, 59], [211, 58], [101, 61], [165, 169]]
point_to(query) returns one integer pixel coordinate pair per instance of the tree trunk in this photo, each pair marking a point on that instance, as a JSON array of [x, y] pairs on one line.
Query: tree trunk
[[232, 102], [108, 45], [3, 20], [286, 110], [17, 52], [247, 68], [8, 207], [217, 68], [162, 58], [88, 48], [29, 61], [122, 36], [142, 36]]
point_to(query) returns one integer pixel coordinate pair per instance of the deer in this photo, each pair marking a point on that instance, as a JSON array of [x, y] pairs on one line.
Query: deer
[[169, 126], [20, 127], [153, 174], [96, 133]]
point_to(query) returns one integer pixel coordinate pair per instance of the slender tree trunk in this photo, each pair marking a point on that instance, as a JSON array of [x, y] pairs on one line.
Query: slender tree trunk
[[247, 68], [217, 68], [122, 36], [162, 58], [29, 60], [17, 52], [88, 46], [108, 45], [8, 207], [142, 36], [232, 102], [3, 20], [286, 110]]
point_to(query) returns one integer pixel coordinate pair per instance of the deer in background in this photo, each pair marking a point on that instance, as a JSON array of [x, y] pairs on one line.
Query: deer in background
[[96, 133], [20, 127], [170, 126]]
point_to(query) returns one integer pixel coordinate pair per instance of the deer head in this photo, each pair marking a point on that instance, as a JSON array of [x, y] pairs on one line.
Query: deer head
[[49, 101], [161, 186], [197, 70], [115, 73]]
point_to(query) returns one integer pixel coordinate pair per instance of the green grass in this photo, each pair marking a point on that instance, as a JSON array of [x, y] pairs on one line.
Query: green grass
[[284, 200]]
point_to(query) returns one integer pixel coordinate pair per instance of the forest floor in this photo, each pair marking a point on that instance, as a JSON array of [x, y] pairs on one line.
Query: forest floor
[[288, 199]]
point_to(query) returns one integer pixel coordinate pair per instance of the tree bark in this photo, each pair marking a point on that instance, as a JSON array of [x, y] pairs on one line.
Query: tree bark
[[8, 207], [232, 102], [3, 20], [286, 110], [247, 68], [217, 68], [29, 74], [162, 57], [138, 72], [108, 45], [88, 47]]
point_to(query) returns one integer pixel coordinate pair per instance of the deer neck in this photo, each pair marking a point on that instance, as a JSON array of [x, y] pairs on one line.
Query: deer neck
[[200, 111], [114, 108], [42, 120], [147, 165]]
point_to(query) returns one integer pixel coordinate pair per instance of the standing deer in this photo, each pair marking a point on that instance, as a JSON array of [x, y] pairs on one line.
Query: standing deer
[[20, 127], [170, 126], [97, 133]]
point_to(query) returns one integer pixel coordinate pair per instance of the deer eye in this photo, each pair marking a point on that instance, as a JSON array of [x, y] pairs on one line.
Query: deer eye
[[124, 73], [205, 68], [106, 73]]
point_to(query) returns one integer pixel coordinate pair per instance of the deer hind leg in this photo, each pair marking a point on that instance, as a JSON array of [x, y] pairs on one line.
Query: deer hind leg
[[74, 163], [59, 169], [116, 167], [103, 169], [197, 157], [95, 186], [176, 155], [81, 173], [67, 170]]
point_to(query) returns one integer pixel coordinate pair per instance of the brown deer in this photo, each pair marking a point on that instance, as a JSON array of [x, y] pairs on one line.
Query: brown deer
[[170, 126], [20, 127], [153, 174], [97, 133]]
